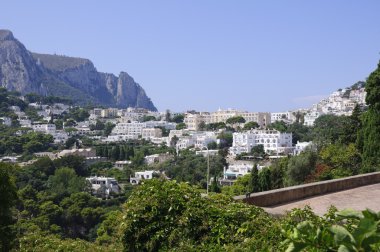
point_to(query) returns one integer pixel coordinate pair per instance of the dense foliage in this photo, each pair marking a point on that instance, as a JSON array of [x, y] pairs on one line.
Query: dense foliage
[[370, 133]]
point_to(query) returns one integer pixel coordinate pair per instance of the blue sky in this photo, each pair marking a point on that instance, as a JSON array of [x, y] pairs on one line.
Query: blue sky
[[205, 54]]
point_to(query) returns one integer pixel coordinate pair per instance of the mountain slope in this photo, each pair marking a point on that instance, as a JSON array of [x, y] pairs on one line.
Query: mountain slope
[[75, 78]]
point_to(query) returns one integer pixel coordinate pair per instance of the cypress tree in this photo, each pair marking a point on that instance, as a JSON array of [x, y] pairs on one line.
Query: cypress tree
[[115, 152], [214, 185], [370, 133], [254, 185], [122, 153]]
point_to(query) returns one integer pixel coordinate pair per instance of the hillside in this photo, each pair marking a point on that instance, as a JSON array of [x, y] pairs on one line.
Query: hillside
[[62, 76]]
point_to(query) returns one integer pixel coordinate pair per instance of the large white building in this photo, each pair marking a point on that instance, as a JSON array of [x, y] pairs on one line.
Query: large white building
[[128, 130], [272, 140], [261, 118], [192, 120]]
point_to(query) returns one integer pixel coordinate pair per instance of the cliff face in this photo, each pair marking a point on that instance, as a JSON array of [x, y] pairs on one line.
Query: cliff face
[[18, 70], [71, 77]]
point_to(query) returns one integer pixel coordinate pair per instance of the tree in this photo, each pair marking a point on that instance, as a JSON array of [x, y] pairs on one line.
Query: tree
[[214, 185], [99, 125], [108, 128], [371, 124], [138, 158], [180, 126], [202, 126], [251, 125], [225, 139], [300, 132], [212, 145], [265, 179], [329, 129], [258, 150], [278, 125], [58, 124], [75, 162], [174, 141], [170, 216], [115, 153], [65, 182], [300, 167], [344, 160], [278, 173], [178, 118], [254, 185], [352, 127], [8, 198], [235, 120], [109, 230]]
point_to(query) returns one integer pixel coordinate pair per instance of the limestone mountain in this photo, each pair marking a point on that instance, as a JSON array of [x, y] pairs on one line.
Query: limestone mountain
[[63, 76]]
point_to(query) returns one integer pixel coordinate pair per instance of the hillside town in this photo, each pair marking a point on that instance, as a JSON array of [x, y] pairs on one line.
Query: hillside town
[[200, 132], [214, 126]]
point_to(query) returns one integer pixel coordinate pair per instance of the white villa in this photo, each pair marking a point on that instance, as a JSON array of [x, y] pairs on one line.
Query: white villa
[[141, 176], [104, 186], [272, 140], [300, 147]]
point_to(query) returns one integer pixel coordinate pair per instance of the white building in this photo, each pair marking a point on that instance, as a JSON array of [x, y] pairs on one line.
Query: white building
[[87, 153], [185, 142], [300, 147], [203, 139], [272, 140], [141, 176], [120, 164], [236, 170], [6, 121], [25, 123], [149, 133], [311, 117], [60, 137], [177, 133], [282, 116], [129, 130], [163, 124], [204, 153], [193, 121], [261, 118], [45, 128], [160, 140], [104, 186], [157, 158]]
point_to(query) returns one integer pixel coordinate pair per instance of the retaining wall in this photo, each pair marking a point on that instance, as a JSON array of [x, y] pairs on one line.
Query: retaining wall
[[294, 193]]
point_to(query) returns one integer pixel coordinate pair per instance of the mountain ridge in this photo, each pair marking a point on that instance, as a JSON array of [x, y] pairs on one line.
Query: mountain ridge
[[65, 76]]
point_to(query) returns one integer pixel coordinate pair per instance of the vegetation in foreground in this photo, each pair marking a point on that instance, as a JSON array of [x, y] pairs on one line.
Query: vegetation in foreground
[[169, 216]]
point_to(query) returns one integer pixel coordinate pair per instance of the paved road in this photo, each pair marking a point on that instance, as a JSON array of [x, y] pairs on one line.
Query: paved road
[[358, 198]]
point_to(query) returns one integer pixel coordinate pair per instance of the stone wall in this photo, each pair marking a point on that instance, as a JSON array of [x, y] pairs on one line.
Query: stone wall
[[294, 193]]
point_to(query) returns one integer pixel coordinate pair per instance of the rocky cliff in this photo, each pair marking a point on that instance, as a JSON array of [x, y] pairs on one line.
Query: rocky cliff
[[75, 78]]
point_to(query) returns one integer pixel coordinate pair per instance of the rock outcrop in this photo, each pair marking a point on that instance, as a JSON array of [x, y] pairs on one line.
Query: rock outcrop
[[63, 76]]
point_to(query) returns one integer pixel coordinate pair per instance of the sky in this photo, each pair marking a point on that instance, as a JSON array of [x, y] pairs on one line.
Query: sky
[[207, 54]]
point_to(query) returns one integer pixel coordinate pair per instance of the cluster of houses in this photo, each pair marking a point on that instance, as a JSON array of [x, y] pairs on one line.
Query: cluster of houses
[[137, 123], [341, 102]]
